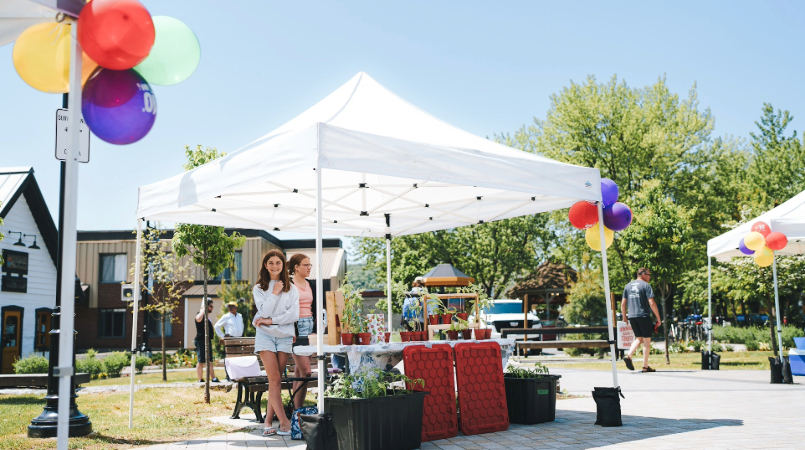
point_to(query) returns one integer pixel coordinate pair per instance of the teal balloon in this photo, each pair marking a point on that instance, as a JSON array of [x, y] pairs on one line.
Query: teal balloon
[[174, 56]]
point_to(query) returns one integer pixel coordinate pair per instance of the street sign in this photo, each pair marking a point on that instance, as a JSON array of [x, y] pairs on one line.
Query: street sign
[[63, 137]]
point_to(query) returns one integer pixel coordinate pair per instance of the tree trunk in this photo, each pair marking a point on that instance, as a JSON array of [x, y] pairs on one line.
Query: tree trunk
[[164, 368], [207, 346]]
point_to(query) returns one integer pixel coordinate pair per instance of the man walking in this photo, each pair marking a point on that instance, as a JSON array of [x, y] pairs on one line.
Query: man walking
[[638, 300]]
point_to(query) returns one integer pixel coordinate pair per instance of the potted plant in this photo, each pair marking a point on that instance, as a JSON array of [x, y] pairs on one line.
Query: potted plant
[[483, 303], [447, 316], [371, 411], [435, 306], [405, 336], [530, 394], [463, 327], [452, 332], [351, 317], [364, 337]]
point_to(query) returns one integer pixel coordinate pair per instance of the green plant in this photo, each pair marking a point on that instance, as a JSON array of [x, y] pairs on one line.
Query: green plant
[[371, 383], [584, 351], [351, 321], [31, 364], [482, 300], [140, 362], [91, 365], [523, 372], [697, 346], [676, 347], [115, 362], [752, 346]]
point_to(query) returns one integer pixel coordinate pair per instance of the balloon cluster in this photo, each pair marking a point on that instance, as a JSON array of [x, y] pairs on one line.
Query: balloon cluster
[[617, 216], [125, 49], [761, 243]]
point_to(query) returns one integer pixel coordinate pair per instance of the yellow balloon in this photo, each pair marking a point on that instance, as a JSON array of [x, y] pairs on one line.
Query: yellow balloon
[[754, 241], [593, 237], [41, 56], [764, 257]]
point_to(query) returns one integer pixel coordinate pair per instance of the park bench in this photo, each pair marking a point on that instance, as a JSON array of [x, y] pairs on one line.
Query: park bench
[[36, 380], [525, 344], [251, 389]]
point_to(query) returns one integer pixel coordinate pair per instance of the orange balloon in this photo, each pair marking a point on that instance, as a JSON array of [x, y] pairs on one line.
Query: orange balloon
[[41, 57]]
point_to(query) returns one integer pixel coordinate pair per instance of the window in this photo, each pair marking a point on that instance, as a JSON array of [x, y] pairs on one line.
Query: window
[[112, 323], [43, 327], [231, 275], [155, 325], [113, 268]]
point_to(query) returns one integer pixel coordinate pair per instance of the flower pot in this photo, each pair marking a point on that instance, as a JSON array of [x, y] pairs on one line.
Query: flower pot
[[452, 335], [531, 400], [466, 334], [487, 333], [346, 338], [388, 337], [479, 334], [446, 318], [434, 320], [393, 422], [405, 336], [364, 338], [423, 336], [462, 316]]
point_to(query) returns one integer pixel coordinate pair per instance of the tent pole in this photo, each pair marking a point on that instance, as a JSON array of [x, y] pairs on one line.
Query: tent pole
[[388, 271], [135, 306], [65, 367], [319, 295], [709, 309], [606, 293], [777, 308]]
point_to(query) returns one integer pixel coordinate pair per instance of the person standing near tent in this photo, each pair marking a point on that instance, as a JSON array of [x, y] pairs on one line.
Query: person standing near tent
[[230, 325], [412, 299], [201, 348], [300, 266], [277, 302], [638, 300]]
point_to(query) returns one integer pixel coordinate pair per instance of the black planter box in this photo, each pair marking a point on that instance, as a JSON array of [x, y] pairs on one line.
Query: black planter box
[[531, 400], [393, 422]]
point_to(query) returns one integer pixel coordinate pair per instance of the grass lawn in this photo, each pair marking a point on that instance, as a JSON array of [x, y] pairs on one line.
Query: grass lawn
[[188, 376], [683, 361]]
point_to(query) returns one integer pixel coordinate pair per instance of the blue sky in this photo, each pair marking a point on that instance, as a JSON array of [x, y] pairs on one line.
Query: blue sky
[[487, 67]]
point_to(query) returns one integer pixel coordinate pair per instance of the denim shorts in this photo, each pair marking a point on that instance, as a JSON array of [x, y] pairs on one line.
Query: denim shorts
[[263, 342], [305, 326]]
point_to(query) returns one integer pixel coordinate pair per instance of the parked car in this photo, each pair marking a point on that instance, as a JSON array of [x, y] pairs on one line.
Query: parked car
[[507, 314]]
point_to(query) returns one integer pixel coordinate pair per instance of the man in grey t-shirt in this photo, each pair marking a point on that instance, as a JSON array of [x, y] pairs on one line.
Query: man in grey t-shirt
[[638, 300]]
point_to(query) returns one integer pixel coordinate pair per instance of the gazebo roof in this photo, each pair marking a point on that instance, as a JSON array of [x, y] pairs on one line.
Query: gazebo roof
[[548, 275], [447, 275]]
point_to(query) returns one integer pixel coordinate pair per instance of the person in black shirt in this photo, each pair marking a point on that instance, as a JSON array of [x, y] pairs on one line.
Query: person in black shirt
[[201, 349]]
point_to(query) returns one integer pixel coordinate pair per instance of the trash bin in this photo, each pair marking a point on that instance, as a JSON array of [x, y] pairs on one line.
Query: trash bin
[[710, 361]]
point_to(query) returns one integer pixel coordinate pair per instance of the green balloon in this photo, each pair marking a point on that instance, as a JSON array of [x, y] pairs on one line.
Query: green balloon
[[174, 56]]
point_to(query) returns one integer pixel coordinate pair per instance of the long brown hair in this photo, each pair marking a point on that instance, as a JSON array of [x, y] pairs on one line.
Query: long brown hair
[[295, 260], [264, 278]]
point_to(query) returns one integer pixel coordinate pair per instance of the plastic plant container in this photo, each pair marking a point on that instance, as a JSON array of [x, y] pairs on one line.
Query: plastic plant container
[[393, 422], [364, 338], [531, 400], [346, 338]]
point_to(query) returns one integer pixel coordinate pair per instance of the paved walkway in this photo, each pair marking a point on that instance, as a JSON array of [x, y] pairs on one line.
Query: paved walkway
[[663, 410]]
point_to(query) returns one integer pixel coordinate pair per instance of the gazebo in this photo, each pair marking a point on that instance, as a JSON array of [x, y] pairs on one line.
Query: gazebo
[[446, 275], [546, 286]]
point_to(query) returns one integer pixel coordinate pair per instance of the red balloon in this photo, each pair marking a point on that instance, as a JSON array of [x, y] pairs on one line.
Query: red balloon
[[776, 240], [583, 215], [762, 228], [117, 34]]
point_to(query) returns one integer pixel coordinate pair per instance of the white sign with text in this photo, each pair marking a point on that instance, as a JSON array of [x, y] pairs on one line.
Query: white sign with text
[[625, 336], [63, 137]]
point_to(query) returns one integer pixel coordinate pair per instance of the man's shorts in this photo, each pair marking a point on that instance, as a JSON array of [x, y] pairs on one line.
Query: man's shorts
[[263, 342], [642, 327], [201, 351]]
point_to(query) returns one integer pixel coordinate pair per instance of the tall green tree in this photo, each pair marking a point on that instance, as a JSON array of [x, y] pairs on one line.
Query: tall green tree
[[208, 247]]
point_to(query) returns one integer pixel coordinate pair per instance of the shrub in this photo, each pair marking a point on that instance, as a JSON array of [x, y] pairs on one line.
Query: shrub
[[140, 362], [717, 347], [676, 347], [115, 363], [697, 346], [584, 351], [789, 333], [31, 364], [752, 345], [91, 365]]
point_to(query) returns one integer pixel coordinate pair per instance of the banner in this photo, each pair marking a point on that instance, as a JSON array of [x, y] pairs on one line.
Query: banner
[[625, 336]]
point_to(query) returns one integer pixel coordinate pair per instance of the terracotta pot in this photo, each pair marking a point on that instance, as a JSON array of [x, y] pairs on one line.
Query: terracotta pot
[[479, 333], [388, 337], [466, 334], [423, 335], [405, 336], [364, 338], [446, 318], [434, 320], [462, 316], [452, 335], [488, 333], [346, 338]]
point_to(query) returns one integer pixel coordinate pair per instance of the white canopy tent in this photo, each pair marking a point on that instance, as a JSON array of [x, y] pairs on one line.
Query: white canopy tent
[[364, 162], [789, 219], [17, 15]]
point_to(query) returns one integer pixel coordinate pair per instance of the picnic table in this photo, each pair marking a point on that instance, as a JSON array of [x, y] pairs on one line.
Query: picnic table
[[385, 356]]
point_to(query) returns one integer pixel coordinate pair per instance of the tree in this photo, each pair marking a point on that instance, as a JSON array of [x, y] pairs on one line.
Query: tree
[[660, 238], [167, 276], [208, 247], [585, 299]]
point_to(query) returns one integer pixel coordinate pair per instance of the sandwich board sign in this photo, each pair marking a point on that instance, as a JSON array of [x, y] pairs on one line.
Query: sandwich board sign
[[63, 137], [625, 336]]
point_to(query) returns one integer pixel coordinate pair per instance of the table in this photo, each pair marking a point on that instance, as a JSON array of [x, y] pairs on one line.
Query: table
[[387, 355]]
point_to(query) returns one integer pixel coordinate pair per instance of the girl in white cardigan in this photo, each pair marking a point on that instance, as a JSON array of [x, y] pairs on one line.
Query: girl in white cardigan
[[277, 302]]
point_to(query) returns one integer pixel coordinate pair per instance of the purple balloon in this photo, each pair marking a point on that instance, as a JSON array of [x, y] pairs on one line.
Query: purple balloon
[[609, 192], [118, 105], [617, 217], [743, 249]]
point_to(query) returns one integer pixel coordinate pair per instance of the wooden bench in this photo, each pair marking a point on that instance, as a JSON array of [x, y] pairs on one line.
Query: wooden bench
[[251, 389], [36, 380], [525, 344]]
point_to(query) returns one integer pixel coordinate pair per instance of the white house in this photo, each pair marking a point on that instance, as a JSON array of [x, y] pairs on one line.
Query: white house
[[29, 252]]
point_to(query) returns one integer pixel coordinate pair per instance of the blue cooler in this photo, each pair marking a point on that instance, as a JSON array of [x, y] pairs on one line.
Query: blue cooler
[[799, 343], [796, 358]]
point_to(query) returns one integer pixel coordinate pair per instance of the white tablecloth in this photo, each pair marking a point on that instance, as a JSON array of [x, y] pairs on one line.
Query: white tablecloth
[[386, 356]]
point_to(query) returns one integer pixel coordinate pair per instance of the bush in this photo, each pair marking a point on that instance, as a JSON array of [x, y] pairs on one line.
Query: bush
[[717, 347], [584, 351], [697, 346], [91, 365], [676, 347], [789, 333], [752, 345], [115, 363], [31, 364], [140, 362]]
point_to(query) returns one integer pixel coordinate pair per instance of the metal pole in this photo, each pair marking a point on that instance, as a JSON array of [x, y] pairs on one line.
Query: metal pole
[[388, 272], [319, 294], [709, 312], [135, 305], [606, 293], [777, 307], [65, 369]]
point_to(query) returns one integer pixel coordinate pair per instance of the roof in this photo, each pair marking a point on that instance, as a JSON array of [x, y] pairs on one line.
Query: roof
[[446, 275], [331, 259], [549, 275], [128, 235], [197, 290], [445, 270], [20, 181]]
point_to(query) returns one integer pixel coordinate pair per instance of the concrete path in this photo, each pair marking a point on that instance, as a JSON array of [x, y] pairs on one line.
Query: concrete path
[[663, 410]]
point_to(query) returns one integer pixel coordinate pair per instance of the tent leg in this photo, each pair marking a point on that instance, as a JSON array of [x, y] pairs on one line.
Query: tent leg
[[606, 293], [388, 271], [709, 307], [777, 310], [319, 295], [135, 306]]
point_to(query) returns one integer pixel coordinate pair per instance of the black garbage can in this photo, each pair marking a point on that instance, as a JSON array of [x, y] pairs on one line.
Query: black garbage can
[[776, 370], [710, 360]]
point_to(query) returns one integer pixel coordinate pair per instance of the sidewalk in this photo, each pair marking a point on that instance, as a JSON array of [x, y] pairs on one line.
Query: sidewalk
[[663, 410]]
